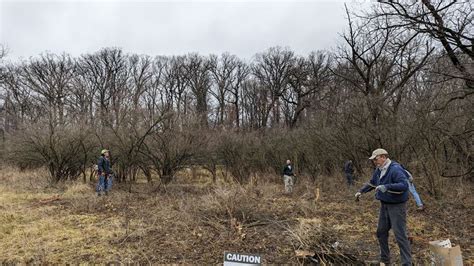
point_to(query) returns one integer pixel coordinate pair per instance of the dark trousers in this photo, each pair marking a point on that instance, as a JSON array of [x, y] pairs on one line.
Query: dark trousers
[[350, 179], [393, 216]]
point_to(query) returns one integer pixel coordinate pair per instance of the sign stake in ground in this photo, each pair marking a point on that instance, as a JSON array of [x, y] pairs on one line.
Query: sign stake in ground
[[239, 259]]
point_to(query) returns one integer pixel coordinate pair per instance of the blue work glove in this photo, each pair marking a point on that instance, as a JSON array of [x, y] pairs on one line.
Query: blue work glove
[[381, 188]]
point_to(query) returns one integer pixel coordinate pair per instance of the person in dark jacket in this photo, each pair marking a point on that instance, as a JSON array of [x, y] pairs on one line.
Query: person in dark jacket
[[390, 182], [288, 177], [349, 171], [105, 173]]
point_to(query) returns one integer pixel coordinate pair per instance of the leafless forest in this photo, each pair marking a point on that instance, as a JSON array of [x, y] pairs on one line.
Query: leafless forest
[[401, 77]]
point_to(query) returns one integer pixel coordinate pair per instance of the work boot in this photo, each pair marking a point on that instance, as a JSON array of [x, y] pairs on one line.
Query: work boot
[[420, 208]]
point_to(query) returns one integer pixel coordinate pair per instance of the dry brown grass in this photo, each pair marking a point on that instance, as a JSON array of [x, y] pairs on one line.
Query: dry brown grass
[[196, 223]]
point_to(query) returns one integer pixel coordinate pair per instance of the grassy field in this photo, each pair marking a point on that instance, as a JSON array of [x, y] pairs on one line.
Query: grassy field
[[195, 222]]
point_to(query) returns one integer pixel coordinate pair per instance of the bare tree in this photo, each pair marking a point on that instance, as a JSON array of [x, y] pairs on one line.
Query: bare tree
[[18, 103], [221, 70], [3, 53], [3, 97], [307, 77], [105, 74], [198, 75], [255, 105], [141, 78], [175, 84], [93, 77], [241, 74], [151, 95], [378, 62], [228, 73], [272, 70], [450, 23], [84, 88], [50, 78]]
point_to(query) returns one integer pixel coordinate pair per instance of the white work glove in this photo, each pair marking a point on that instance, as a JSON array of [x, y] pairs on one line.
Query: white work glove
[[381, 188], [410, 178], [357, 195]]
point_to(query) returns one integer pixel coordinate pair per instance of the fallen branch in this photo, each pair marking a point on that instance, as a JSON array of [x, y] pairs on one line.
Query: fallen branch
[[50, 199]]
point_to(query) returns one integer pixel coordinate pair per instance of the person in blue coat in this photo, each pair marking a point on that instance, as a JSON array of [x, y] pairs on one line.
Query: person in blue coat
[[390, 182], [349, 171], [105, 173]]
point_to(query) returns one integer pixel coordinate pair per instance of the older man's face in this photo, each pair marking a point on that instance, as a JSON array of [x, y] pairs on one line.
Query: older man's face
[[288, 162], [379, 160]]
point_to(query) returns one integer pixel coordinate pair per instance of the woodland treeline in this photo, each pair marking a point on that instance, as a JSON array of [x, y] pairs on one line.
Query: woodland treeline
[[401, 77]]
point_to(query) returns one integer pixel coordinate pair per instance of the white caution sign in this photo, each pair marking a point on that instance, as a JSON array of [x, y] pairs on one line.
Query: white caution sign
[[236, 259]]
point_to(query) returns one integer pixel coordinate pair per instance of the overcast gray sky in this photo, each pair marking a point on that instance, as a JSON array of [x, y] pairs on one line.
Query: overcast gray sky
[[244, 28]]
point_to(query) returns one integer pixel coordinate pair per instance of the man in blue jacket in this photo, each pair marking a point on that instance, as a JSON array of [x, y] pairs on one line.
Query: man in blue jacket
[[105, 173], [390, 182]]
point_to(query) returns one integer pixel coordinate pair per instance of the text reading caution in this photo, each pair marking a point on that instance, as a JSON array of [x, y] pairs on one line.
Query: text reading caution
[[231, 258]]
